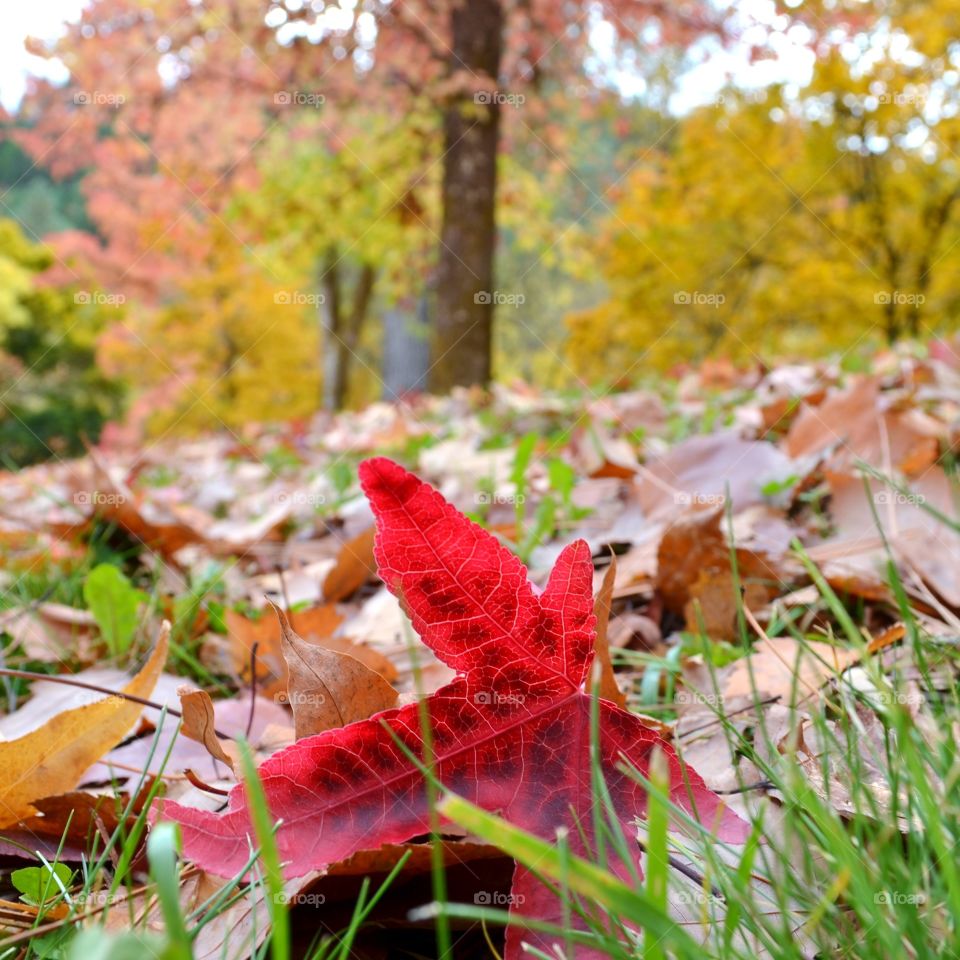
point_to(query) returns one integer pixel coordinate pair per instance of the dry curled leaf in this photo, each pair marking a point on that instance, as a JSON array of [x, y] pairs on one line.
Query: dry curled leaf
[[327, 689], [693, 564], [316, 625], [199, 723], [601, 608]]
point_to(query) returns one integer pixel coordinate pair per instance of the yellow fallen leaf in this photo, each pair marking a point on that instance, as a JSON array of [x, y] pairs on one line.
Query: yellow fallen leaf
[[51, 759]]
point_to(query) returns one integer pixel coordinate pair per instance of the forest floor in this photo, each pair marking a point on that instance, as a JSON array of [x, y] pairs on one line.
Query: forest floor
[[777, 562]]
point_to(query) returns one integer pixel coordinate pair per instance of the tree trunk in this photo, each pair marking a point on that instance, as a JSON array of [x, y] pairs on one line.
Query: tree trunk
[[333, 386], [892, 323], [340, 334], [462, 329]]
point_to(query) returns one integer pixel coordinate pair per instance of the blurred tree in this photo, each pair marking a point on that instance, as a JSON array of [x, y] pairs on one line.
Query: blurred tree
[[237, 347], [168, 106], [785, 221], [486, 64], [53, 394], [33, 198], [548, 214], [355, 215], [884, 108]]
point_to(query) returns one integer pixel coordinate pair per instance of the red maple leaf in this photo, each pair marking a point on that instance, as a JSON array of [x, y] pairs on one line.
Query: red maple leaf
[[511, 733]]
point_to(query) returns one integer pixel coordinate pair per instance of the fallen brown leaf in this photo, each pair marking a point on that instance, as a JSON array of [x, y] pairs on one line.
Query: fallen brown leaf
[[115, 501], [327, 689], [693, 564], [355, 565], [705, 469], [316, 625], [856, 424], [599, 454], [65, 825], [779, 665], [714, 602], [608, 682], [198, 722]]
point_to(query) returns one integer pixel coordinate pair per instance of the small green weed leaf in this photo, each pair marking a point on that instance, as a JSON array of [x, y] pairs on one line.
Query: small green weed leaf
[[114, 603]]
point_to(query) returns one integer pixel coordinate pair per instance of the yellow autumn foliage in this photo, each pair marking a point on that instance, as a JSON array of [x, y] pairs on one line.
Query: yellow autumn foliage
[[791, 222], [239, 345]]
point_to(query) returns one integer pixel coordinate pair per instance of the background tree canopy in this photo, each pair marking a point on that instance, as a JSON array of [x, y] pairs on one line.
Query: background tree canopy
[[256, 198]]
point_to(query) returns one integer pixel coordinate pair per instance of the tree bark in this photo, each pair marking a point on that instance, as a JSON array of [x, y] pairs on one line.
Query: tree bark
[[340, 333], [333, 385], [461, 347]]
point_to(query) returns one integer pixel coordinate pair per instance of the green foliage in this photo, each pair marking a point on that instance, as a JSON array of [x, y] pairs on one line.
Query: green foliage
[[33, 198], [114, 603], [40, 885], [55, 396]]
